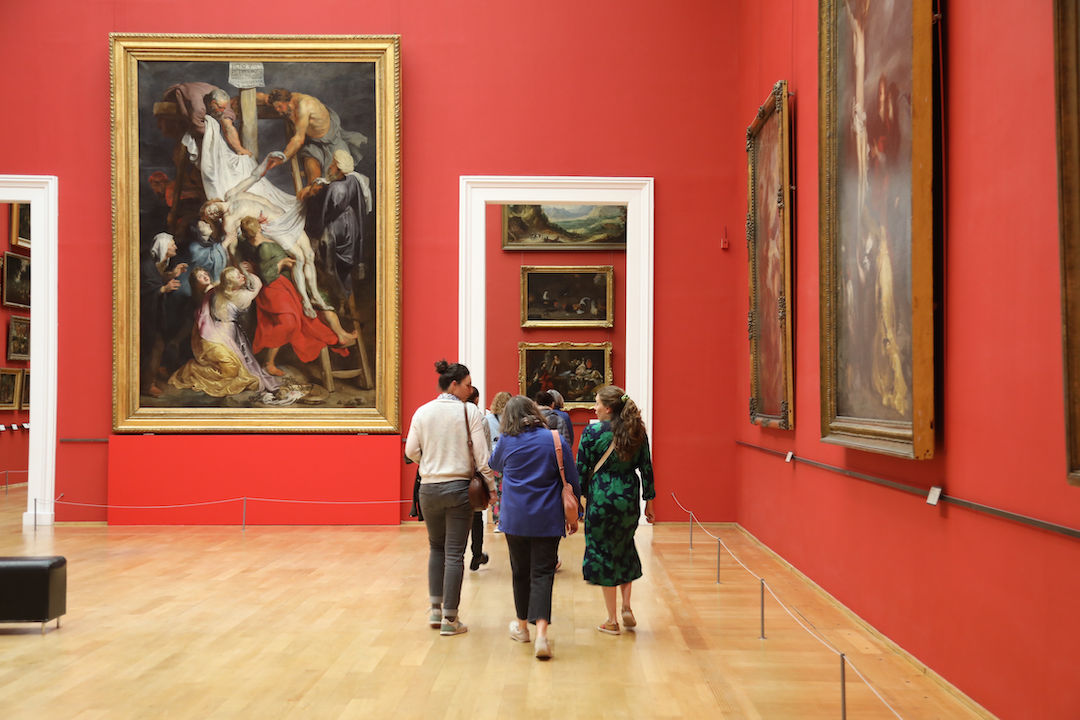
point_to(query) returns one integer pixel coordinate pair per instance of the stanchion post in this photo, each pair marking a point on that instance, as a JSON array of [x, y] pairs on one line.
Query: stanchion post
[[691, 529], [35, 514], [717, 561], [762, 610], [243, 518], [843, 690], [7, 480]]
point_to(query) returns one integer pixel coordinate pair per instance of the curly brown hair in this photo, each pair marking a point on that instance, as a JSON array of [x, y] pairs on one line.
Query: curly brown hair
[[627, 427]]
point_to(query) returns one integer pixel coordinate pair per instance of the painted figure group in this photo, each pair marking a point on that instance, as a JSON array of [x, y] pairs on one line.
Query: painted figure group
[[530, 462], [234, 239]]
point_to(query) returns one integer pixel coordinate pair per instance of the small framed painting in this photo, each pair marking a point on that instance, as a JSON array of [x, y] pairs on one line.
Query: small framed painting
[[10, 388], [16, 290], [18, 338], [558, 296], [24, 391], [577, 370], [20, 225], [567, 226]]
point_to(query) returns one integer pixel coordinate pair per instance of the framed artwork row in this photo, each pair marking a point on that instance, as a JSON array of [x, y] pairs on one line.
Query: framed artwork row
[[211, 135], [567, 296], [577, 370], [16, 281], [876, 177], [768, 242], [14, 389], [18, 345]]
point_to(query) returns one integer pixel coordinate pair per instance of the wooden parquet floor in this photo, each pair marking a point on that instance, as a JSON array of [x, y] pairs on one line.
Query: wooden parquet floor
[[329, 622]]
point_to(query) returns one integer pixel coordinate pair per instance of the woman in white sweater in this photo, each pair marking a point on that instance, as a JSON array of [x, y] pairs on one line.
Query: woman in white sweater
[[439, 441]]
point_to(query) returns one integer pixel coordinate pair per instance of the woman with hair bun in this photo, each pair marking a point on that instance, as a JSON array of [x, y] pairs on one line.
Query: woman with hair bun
[[439, 441], [610, 456]]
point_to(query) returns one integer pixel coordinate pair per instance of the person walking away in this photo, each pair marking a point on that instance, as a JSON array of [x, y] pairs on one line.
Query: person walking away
[[610, 455], [493, 419], [479, 557], [533, 517], [439, 441]]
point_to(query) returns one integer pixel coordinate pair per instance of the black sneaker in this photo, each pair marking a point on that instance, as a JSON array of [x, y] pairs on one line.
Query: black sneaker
[[477, 561]]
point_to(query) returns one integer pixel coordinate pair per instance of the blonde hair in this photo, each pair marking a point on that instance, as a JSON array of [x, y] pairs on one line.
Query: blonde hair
[[498, 403]]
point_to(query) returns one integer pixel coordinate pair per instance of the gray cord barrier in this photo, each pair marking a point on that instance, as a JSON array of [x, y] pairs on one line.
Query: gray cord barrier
[[817, 636], [7, 478], [243, 500]]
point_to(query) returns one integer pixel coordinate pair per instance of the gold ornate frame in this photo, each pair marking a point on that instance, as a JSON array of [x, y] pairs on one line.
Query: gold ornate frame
[[1067, 81], [766, 302], [523, 380], [17, 396], [24, 392], [608, 320], [383, 52], [15, 321], [912, 438], [7, 266], [17, 240]]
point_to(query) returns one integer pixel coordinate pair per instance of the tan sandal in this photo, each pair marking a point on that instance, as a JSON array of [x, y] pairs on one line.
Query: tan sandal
[[628, 618], [609, 628]]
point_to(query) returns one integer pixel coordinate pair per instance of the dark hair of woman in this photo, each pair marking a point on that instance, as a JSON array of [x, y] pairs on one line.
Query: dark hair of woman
[[544, 398], [519, 415], [474, 397], [627, 427], [450, 373]]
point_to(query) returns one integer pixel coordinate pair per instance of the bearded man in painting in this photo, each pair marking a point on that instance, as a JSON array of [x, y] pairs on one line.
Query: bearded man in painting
[[316, 132]]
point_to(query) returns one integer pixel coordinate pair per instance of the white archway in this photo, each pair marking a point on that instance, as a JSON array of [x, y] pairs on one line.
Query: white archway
[[476, 192], [42, 192]]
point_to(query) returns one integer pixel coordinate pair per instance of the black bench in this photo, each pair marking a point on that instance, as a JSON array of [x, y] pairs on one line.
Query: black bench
[[33, 589]]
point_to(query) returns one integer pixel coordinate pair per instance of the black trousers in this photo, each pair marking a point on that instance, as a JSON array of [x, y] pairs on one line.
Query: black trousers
[[532, 562], [477, 534]]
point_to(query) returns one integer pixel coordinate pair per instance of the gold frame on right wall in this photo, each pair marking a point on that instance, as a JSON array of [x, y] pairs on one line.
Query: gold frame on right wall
[[1067, 87], [876, 176]]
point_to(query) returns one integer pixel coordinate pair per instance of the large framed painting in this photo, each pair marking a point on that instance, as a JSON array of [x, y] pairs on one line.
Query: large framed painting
[[257, 195], [768, 242], [564, 226], [567, 296], [20, 225], [1067, 80], [577, 370], [10, 388], [16, 286], [18, 347], [876, 178]]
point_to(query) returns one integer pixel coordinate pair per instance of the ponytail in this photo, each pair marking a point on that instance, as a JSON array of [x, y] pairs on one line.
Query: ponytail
[[627, 427]]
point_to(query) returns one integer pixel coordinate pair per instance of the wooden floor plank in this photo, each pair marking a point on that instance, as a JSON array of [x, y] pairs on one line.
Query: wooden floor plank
[[330, 622]]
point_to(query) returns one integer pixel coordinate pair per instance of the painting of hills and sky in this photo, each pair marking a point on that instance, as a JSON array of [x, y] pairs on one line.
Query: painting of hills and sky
[[564, 227]]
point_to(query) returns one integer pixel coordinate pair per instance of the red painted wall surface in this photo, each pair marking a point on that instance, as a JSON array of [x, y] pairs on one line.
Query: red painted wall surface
[[987, 603], [14, 438], [602, 88]]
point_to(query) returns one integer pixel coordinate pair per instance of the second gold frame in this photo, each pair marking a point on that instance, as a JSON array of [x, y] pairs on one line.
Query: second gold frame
[[570, 368], [567, 296]]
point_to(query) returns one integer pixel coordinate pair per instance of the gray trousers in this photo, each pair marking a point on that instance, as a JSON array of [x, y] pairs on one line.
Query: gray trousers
[[448, 517]]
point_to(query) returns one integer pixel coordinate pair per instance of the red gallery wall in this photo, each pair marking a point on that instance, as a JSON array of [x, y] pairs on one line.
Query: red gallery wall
[[986, 603], [14, 438], [489, 88]]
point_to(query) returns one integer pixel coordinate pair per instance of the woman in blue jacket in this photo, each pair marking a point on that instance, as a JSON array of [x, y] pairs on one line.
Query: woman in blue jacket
[[532, 515]]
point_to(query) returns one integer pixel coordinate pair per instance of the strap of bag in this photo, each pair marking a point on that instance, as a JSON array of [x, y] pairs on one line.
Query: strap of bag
[[558, 454], [468, 436], [605, 456]]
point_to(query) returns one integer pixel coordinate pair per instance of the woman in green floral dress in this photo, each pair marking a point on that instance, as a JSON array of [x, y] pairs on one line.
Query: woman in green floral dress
[[614, 498]]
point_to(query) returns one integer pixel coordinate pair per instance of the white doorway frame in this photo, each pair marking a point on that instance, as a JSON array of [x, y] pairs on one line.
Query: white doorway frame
[[42, 192], [477, 192]]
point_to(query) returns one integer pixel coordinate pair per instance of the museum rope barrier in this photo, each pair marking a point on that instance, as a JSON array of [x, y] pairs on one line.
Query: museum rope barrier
[[764, 586], [7, 478], [932, 497], [243, 500]]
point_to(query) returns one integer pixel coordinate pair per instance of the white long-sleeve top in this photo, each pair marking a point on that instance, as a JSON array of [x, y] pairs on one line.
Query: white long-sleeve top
[[438, 442]]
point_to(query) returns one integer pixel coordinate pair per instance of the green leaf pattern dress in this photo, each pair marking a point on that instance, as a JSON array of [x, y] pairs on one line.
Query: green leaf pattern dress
[[614, 506]]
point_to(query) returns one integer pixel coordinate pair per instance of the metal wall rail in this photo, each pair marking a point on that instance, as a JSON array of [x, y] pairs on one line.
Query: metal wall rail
[[922, 492]]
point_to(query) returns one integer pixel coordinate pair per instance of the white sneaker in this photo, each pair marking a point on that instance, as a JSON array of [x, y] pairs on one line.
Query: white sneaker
[[453, 627], [543, 648], [521, 634]]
